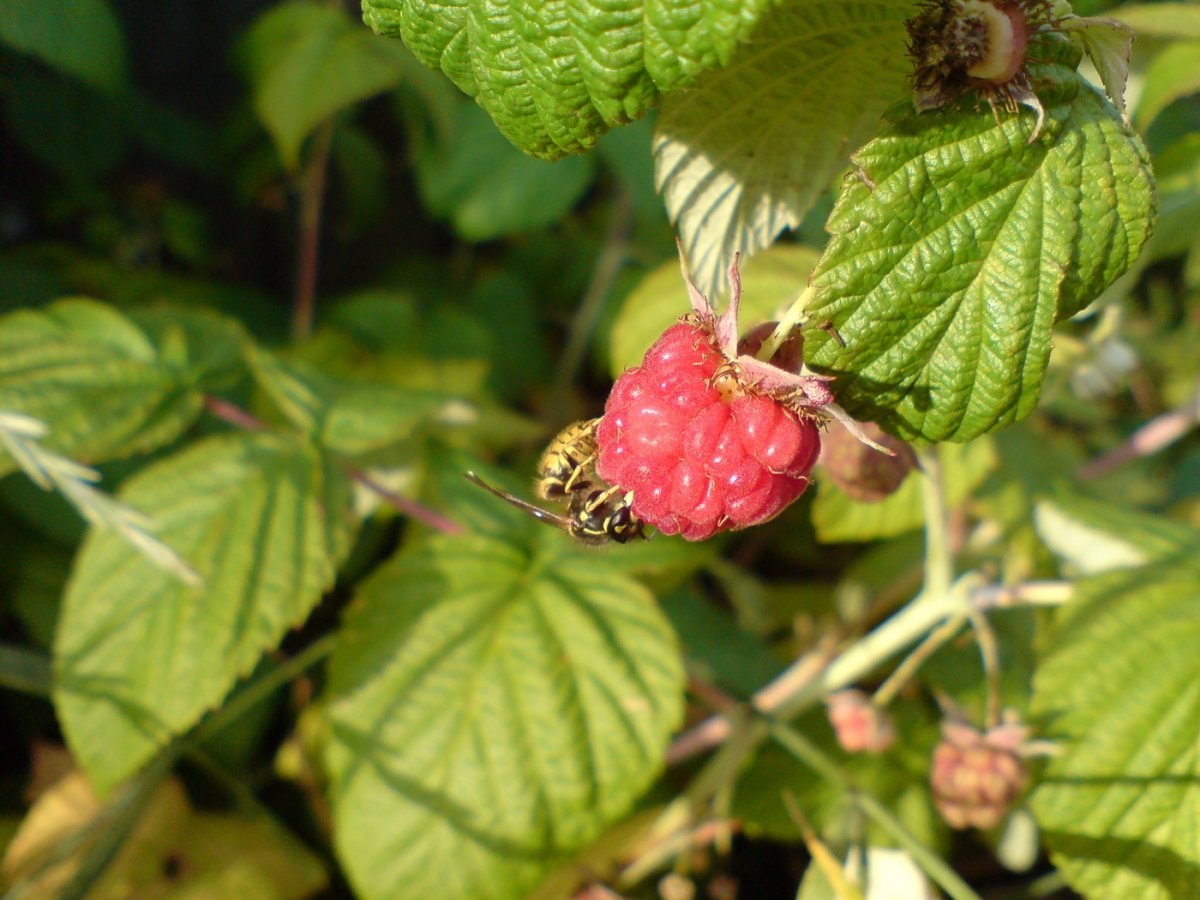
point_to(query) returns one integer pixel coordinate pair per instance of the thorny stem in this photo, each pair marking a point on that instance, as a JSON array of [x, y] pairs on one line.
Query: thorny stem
[[308, 239], [238, 417], [795, 315]]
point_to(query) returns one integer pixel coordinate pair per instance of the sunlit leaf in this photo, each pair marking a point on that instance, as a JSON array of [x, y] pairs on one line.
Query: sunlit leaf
[[961, 242], [106, 385], [140, 656], [1120, 689], [554, 76], [494, 707], [743, 154]]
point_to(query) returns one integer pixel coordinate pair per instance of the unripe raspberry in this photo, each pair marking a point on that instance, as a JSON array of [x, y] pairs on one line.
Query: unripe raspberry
[[976, 778], [861, 472], [700, 452], [860, 726]]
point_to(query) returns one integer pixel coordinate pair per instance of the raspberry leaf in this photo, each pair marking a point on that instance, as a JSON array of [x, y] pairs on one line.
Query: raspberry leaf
[[350, 417], [745, 153], [108, 385], [308, 61], [1120, 808], [1094, 537], [486, 188], [554, 76], [80, 37], [139, 655], [497, 704], [960, 244]]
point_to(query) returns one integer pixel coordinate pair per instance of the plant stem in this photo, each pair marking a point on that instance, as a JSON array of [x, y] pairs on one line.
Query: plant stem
[[308, 239], [583, 323], [793, 317], [939, 567], [1157, 434], [410, 508], [264, 687], [932, 864], [906, 670], [25, 671]]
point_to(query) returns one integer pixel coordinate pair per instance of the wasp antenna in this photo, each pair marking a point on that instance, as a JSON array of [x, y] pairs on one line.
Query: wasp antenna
[[542, 515]]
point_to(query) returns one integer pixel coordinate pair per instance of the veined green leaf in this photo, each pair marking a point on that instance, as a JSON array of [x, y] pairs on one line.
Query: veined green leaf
[[555, 76], [493, 708], [80, 37], [769, 283], [1120, 687], [961, 242], [139, 655], [108, 386], [307, 61], [839, 518], [743, 154]]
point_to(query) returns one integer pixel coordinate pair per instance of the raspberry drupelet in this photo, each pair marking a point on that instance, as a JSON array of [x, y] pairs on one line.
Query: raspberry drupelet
[[707, 439]]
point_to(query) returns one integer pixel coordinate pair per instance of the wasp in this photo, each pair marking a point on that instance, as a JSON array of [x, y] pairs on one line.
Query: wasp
[[596, 512], [567, 465]]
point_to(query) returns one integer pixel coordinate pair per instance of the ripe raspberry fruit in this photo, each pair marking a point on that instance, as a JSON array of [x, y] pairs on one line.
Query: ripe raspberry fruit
[[707, 440]]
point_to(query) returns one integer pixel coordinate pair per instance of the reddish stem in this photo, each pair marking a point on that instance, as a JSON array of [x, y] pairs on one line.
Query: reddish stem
[[239, 418], [308, 245]]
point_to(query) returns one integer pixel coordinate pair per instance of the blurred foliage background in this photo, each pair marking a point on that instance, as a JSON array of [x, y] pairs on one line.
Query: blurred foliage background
[[281, 164]]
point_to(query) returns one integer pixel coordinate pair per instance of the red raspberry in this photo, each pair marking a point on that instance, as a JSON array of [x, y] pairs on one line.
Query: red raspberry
[[698, 459]]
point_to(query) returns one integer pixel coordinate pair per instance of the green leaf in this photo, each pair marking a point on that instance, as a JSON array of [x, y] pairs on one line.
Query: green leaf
[[348, 417], [1120, 808], [307, 61], [80, 37], [769, 283], [838, 518], [1108, 43], [1093, 536], [99, 381], [486, 189], [140, 656], [1163, 20], [961, 243], [745, 153], [1172, 74], [493, 708], [72, 130], [555, 76], [1177, 170]]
